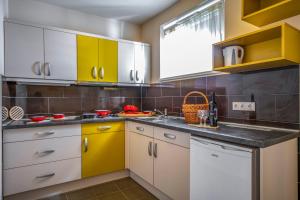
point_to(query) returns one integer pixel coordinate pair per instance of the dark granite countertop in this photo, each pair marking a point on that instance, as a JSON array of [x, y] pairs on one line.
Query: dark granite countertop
[[240, 136], [67, 121], [235, 135]]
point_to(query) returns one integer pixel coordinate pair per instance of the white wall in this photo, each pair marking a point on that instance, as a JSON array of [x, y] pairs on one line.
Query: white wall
[[42, 13], [234, 26]]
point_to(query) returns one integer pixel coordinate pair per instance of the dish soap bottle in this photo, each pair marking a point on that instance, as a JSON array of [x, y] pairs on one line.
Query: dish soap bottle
[[213, 111]]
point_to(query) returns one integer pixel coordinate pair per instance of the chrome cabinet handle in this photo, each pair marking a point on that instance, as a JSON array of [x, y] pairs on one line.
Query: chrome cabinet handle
[[47, 69], [39, 68], [46, 175], [44, 153], [94, 72], [137, 75], [131, 75], [102, 128], [170, 136], [139, 128], [101, 72], [150, 148], [86, 144], [155, 150], [47, 133]]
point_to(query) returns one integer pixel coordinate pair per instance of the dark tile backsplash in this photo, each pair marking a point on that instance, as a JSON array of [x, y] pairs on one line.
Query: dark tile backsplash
[[69, 100], [276, 93]]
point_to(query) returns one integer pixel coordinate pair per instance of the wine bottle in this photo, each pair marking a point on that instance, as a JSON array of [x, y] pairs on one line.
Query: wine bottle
[[213, 111]]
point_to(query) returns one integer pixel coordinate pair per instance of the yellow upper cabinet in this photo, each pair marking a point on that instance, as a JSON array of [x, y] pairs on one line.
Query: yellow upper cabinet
[[108, 60], [87, 59], [263, 12], [271, 47], [97, 59]]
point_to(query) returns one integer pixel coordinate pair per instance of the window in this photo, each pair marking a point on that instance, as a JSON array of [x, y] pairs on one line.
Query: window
[[186, 42]]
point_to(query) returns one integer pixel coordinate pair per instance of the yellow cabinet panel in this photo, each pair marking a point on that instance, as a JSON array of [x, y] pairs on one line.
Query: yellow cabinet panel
[[108, 60], [102, 127], [87, 59], [103, 153]]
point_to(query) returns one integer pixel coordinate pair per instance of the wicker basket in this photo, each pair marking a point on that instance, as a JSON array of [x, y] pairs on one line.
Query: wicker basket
[[190, 110]]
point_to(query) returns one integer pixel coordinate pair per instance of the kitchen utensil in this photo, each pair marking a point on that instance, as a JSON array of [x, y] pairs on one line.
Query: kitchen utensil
[[89, 115], [103, 113], [135, 114], [233, 55], [16, 113], [4, 113], [58, 116], [38, 118], [190, 111], [130, 108]]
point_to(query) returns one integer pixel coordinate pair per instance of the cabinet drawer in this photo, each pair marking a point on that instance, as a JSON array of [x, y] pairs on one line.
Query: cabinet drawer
[[102, 127], [141, 129], [38, 176], [17, 135], [20, 154], [171, 136]]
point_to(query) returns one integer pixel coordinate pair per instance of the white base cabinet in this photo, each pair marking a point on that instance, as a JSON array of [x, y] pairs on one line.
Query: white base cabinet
[[37, 176], [160, 157], [39, 157]]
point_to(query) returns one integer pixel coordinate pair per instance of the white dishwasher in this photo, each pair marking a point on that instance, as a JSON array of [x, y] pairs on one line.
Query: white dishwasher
[[221, 171]]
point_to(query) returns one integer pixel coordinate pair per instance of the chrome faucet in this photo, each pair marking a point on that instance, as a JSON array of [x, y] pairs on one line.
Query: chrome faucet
[[163, 115]]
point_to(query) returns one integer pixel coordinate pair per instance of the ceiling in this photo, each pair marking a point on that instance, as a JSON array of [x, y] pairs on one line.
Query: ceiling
[[135, 11]]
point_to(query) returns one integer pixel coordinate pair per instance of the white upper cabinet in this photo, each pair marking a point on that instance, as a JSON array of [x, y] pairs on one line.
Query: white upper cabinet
[[60, 55], [24, 51], [126, 62], [134, 63], [38, 53]]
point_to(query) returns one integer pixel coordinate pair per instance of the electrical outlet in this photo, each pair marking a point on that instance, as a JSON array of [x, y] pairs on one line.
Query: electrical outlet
[[243, 106]]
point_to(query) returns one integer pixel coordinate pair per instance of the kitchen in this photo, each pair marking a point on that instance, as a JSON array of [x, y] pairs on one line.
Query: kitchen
[[103, 99]]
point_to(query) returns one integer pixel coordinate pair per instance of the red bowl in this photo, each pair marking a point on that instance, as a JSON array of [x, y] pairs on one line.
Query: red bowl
[[38, 118], [103, 113], [130, 108], [58, 116]]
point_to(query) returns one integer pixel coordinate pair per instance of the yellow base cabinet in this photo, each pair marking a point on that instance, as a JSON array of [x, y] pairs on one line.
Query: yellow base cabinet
[[102, 151]]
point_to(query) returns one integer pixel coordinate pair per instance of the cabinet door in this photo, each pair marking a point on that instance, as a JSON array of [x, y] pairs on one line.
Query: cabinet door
[[103, 153], [87, 59], [126, 62], [24, 51], [171, 170], [139, 63], [108, 61], [60, 55], [147, 53], [140, 158]]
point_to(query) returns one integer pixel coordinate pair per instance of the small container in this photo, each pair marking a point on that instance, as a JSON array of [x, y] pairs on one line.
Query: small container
[[103, 113], [58, 116], [38, 118]]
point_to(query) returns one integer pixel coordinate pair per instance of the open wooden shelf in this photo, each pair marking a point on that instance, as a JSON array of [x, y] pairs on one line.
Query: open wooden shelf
[[276, 46], [263, 12]]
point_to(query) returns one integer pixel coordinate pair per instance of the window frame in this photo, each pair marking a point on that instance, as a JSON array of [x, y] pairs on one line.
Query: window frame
[[203, 5]]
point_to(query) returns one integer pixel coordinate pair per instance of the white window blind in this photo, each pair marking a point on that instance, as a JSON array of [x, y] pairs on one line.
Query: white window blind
[[186, 42]]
